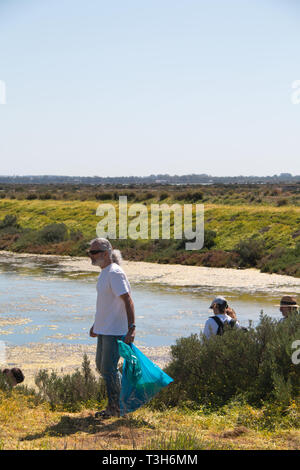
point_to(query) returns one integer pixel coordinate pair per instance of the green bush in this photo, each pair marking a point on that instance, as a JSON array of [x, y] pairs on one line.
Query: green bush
[[27, 238], [283, 261], [70, 392], [191, 196], [104, 196], [9, 221], [46, 196], [282, 202], [255, 364], [53, 233], [250, 250], [3, 383], [163, 196], [209, 240]]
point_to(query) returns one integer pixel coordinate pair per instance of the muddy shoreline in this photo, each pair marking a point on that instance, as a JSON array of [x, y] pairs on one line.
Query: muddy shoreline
[[174, 275]]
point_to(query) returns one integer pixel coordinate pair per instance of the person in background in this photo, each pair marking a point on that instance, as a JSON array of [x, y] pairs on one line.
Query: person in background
[[215, 325], [13, 376], [114, 319], [288, 304], [229, 311]]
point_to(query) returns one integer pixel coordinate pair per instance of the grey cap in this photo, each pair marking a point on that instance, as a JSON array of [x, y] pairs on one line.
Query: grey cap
[[219, 300], [103, 244]]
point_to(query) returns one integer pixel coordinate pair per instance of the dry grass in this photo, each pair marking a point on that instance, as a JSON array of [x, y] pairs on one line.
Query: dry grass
[[26, 426]]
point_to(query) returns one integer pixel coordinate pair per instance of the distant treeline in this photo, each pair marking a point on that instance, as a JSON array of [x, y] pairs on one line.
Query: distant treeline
[[274, 194], [152, 179]]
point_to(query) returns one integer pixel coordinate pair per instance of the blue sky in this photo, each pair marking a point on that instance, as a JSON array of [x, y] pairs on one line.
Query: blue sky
[[131, 87]]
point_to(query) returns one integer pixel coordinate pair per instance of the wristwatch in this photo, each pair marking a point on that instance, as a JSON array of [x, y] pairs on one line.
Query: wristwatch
[[131, 326]]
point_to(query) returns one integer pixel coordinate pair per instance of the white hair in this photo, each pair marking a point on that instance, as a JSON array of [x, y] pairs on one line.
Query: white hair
[[116, 256]]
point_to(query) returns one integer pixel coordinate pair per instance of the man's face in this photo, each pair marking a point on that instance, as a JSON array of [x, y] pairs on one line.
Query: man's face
[[99, 258]]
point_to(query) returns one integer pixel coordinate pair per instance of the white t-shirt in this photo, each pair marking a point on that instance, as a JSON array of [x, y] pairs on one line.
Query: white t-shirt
[[111, 316], [211, 326]]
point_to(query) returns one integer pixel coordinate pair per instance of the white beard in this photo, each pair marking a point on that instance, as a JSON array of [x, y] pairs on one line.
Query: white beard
[[97, 262]]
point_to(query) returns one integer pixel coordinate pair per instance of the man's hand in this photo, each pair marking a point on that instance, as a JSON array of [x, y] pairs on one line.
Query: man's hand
[[129, 338], [92, 334]]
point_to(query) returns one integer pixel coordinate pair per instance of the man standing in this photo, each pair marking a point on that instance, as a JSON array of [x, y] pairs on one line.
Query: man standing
[[114, 318]]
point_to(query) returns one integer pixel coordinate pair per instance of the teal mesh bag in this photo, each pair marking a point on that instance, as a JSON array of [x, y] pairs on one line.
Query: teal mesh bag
[[141, 378]]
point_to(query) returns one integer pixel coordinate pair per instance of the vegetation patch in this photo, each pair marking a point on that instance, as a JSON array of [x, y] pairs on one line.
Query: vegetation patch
[[249, 401], [254, 366], [238, 232]]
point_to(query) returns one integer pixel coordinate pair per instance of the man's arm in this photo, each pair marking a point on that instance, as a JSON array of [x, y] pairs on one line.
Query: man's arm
[[130, 317]]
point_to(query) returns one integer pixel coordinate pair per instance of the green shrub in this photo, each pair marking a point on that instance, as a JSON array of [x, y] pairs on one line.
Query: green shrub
[[9, 221], [144, 196], [46, 196], [27, 238], [3, 383], [282, 202], [209, 240], [131, 196], [76, 235], [104, 196], [255, 364], [163, 196], [53, 233], [70, 392], [282, 260], [250, 250], [191, 196]]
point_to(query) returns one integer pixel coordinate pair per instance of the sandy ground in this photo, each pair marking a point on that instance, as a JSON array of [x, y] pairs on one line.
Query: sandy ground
[[66, 358]]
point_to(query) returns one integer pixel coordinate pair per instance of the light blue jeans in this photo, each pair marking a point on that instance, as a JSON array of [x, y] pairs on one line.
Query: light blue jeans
[[107, 358]]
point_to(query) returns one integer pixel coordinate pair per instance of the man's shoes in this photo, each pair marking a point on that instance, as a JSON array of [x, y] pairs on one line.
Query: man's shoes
[[106, 414]]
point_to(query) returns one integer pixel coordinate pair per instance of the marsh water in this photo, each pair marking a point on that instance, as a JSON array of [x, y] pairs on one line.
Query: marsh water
[[41, 303]]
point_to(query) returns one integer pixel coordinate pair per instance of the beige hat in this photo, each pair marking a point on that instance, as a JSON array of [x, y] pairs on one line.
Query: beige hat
[[288, 301]]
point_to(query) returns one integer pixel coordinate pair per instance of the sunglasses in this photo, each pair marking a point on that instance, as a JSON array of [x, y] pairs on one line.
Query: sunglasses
[[94, 252]]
